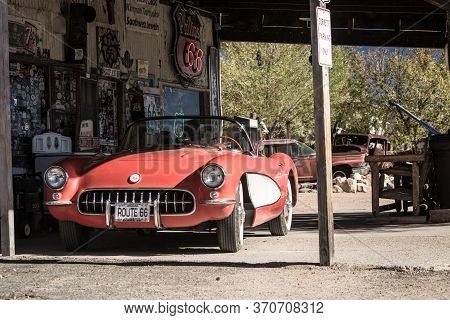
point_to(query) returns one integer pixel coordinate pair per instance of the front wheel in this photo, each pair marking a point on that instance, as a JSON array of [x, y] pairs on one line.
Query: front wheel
[[281, 225], [24, 228], [73, 236], [230, 231], [341, 171]]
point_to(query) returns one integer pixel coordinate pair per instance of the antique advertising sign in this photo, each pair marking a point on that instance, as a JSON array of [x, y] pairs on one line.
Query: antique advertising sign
[[108, 52], [142, 15], [142, 68], [189, 55], [25, 36]]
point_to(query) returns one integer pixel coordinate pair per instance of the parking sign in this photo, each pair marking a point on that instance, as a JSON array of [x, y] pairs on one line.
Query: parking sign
[[324, 37]]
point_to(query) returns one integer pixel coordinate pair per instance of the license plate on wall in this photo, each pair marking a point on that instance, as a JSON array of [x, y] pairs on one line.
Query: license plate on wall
[[132, 212]]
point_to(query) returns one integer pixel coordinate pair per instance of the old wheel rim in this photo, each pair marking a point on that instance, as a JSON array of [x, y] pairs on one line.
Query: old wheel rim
[[241, 224], [287, 211], [241, 216], [339, 173], [27, 230]]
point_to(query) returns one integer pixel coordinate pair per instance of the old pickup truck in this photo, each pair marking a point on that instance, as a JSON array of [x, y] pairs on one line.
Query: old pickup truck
[[346, 159], [372, 144]]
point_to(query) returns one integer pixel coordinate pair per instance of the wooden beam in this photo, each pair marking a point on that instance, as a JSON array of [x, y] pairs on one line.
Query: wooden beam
[[321, 84], [439, 3], [412, 39], [6, 190]]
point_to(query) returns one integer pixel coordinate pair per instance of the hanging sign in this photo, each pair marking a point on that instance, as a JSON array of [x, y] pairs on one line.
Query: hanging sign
[[324, 37], [108, 48], [142, 15], [189, 55], [142, 68]]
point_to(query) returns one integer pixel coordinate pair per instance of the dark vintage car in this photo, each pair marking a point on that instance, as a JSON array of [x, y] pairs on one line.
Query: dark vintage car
[[175, 173], [345, 162], [372, 144]]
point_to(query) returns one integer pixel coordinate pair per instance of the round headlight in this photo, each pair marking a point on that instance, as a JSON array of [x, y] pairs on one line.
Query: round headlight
[[213, 176], [56, 178]]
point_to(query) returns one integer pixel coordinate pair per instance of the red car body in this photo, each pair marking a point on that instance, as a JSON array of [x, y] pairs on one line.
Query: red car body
[[170, 180], [304, 157]]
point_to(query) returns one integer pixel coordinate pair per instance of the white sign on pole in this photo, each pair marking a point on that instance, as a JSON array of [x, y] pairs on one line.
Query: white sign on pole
[[324, 37]]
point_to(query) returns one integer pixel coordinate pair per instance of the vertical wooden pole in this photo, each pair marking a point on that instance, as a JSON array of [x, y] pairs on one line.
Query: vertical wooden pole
[[6, 192], [416, 188], [447, 43], [375, 188], [323, 145]]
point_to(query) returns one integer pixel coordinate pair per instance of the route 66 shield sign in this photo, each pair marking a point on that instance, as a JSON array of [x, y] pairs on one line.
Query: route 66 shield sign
[[188, 52]]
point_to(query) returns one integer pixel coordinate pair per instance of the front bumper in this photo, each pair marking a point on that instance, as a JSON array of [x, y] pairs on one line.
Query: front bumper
[[220, 202], [205, 210], [58, 203]]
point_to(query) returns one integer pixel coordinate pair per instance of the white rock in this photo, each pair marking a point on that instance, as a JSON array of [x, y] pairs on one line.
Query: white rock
[[361, 187], [389, 186], [357, 176], [340, 181], [345, 187], [337, 189], [369, 179], [388, 182], [351, 185]]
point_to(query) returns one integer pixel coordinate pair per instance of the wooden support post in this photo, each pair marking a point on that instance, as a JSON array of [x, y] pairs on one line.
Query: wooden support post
[[323, 145], [447, 42], [6, 190], [416, 188], [375, 188]]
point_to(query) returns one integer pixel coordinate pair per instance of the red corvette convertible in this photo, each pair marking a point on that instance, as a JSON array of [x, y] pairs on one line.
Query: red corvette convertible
[[175, 173]]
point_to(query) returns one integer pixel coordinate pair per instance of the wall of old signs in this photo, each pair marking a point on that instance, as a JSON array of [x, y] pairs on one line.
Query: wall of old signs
[[135, 58]]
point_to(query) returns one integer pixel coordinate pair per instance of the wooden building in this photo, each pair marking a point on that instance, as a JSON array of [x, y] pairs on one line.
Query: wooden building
[[111, 61], [75, 73]]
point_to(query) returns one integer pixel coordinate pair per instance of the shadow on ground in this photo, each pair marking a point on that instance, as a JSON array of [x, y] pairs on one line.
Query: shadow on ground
[[173, 243]]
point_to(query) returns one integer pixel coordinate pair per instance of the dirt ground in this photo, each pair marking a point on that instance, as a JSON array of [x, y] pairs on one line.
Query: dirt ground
[[386, 258]]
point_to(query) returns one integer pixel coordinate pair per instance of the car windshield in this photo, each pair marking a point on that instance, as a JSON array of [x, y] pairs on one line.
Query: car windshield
[[351, 139], [181, 131]]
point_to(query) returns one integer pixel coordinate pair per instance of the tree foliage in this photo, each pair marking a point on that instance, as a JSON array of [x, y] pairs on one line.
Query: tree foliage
[[271, 80], [275, 81], [417, 79]]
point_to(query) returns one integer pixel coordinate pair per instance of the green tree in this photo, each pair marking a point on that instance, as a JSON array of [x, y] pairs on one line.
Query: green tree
[[275, 82], [271, 80], [416, 78]]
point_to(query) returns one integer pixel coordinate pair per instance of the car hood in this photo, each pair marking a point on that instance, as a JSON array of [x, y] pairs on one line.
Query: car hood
[[157, 168]]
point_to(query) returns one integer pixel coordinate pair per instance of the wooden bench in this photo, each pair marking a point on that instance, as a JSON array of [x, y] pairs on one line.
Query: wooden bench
[[414, 166]]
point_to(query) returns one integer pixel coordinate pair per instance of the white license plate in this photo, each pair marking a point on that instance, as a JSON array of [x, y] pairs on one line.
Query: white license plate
[[132, 212]]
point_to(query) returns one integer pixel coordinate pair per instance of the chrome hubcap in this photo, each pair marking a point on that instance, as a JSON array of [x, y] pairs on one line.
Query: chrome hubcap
[[288, 208]]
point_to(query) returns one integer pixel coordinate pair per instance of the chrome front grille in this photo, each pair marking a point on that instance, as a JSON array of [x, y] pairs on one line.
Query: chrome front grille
[[172, 201]]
